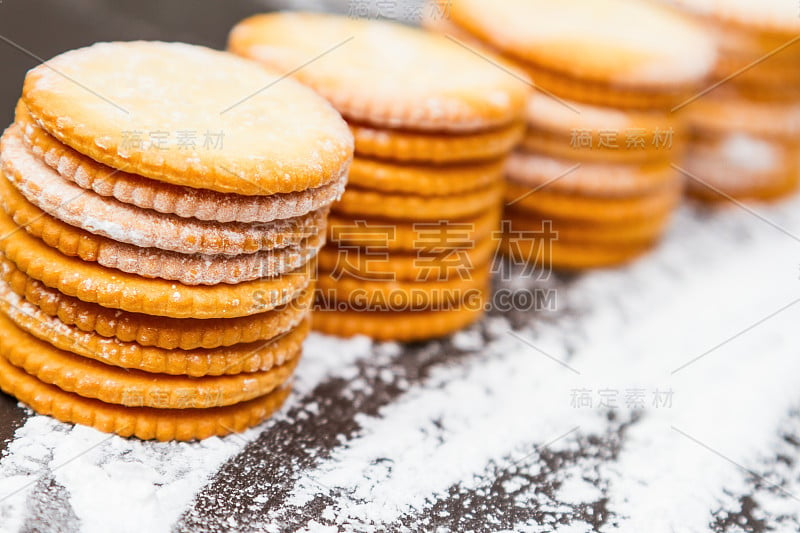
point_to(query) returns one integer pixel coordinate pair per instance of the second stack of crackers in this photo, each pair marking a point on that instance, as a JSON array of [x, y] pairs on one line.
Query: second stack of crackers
[[592, 184], [412, 238]]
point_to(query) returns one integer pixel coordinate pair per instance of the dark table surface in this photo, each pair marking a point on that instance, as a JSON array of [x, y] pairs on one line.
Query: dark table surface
[[40, 29]]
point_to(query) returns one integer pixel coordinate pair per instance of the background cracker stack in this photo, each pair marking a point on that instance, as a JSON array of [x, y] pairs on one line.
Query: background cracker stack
[[591, 184], [746, 132], [411, 241], [161, 288]]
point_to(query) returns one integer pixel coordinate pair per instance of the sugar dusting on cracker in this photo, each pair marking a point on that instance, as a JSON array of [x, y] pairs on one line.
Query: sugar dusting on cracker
[[268, 125], [201, 269], [632, 43], [535, 171], [386, 74], [737, 163], [750, 154], [186, 202], [107, 217]]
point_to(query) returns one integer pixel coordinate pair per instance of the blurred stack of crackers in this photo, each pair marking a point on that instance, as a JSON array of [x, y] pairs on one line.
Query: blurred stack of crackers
[[592, 184], [163, 205], [746, 130], [413, 238]]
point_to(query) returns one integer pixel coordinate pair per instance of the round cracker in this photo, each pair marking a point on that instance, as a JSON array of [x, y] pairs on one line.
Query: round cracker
[[383, 73], [186, 202], [141, 422], [118, 290], [407, 236], [107, 217], [598, 41], [132, 388], [259, 356], [425, 180], [276, 135], [188, 269], [397, 145], [363, 203], [398, 327], [161, 332]]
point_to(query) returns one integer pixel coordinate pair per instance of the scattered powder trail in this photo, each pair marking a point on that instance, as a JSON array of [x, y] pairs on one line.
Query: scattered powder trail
[[508, 408], [772, 494], [733, 399], [731, 402], [136, 486]]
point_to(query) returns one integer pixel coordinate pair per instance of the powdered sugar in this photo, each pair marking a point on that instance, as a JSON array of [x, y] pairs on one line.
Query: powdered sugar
[[288, 129], [431, 454], [442, 434], [631, 43], [182, 201], [159, 479], [739, 164], [43, 187], [750, 154], [136, 486]]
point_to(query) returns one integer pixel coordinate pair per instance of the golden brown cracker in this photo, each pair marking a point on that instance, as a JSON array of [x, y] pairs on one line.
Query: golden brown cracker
[[363, 203], [253, 357], [437, 148], [262, 142], [141, 422], [409, 266], [188, 269], [370, 294], [161, 332], [394, 326], [107, 217], [202, 204], [425, 180], [383, 73], [382, 235], [593, 209], [127, 292], [132, 388]]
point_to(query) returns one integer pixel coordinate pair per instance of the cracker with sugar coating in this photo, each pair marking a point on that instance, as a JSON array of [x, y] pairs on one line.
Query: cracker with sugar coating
[[277, 136]]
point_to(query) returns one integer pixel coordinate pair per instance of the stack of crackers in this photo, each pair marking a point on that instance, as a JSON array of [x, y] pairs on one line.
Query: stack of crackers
[[746, 132], [411, 241], [162, 208], [592, 183]]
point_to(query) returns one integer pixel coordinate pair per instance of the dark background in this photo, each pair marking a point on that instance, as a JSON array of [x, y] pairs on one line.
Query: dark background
[[45, 28]]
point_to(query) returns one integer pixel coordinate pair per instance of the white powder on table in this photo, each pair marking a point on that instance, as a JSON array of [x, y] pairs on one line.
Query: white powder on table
[[634, 327], [139, 486], [446, 431]]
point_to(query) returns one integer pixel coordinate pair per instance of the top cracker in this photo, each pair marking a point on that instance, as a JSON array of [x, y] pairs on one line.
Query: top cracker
[[386, 74], [634, 44], [189, 116]]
